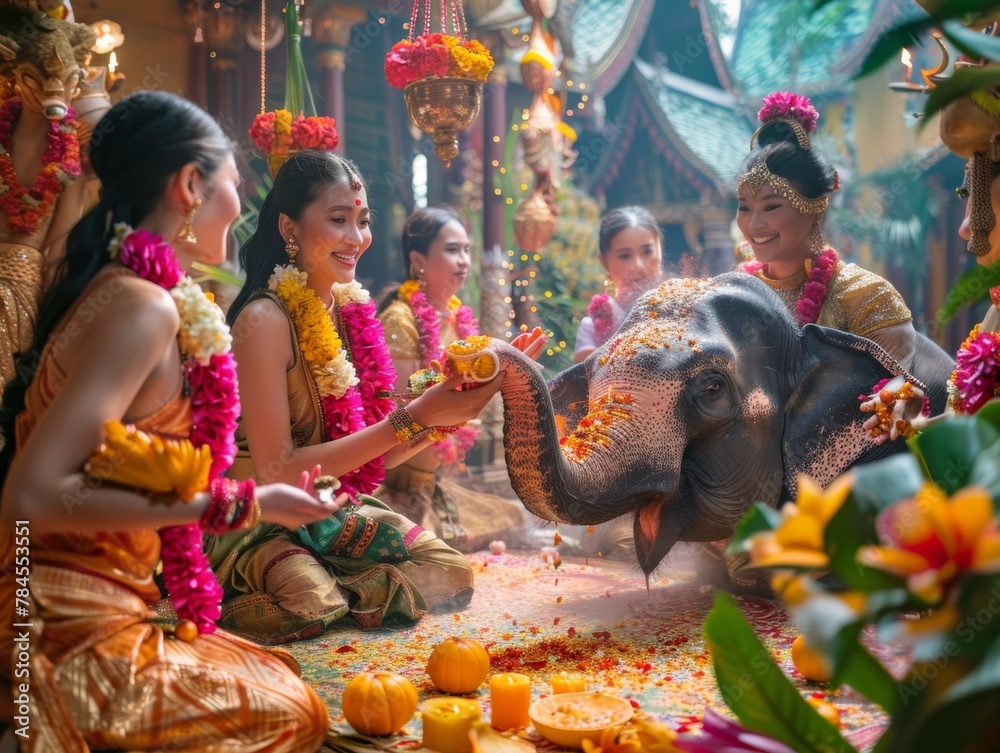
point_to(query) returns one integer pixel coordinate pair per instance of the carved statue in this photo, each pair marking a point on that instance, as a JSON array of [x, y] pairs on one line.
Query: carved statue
[[45, 59]]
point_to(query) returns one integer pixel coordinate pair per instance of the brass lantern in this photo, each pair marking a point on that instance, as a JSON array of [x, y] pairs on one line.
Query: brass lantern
[[441, 108]]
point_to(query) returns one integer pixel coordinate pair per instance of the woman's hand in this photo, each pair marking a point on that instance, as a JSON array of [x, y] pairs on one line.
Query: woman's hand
[[445, 405], [530, 343], [291, 507], [898, 409]]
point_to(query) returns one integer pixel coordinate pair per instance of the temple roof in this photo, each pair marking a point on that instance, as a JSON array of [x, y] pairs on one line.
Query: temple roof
[[603, 38], [703, 123], [829, 45]]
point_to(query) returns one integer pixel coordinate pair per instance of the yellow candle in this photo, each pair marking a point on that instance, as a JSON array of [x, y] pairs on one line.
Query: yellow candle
[[568, 684], [510, 697], [447, 722]]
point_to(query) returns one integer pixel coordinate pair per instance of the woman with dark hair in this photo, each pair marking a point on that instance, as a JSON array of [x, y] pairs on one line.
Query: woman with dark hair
[[783, 192], [631, 248], [421, 317], [125, 337], [316, 385]]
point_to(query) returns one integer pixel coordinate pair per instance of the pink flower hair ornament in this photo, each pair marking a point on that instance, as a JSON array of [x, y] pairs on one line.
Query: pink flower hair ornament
[[792, 109]]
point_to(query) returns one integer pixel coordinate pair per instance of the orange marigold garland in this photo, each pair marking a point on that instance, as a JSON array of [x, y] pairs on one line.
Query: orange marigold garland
[[27, 207]]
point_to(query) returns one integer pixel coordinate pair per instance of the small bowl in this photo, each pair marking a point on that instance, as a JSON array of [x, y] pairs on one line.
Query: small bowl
[[567, 719]]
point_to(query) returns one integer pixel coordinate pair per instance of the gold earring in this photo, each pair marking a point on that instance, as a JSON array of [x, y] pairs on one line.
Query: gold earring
[[292, 249], [187, 232], [815, 239]]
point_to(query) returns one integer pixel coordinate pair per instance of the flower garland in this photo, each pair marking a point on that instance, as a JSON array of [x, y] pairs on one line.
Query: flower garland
[[210, 373], [976, 378], [453, 447], [436, 55], [819, 271], [350, 389], [278, 135], [603, 316], [26, 208]]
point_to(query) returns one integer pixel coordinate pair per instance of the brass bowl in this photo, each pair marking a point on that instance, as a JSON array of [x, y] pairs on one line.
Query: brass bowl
[[567, 719], [441, 107]]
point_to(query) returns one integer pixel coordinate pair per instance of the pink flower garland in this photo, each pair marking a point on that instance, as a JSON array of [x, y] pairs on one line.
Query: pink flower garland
[[361, 406], [603, 316], [454, 447], [187, 575], [819, 273], [977, 372]]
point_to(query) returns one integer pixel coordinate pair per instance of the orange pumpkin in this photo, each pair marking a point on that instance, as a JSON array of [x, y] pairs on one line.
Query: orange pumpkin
[[458, 665], [811, 664], [379, 703]]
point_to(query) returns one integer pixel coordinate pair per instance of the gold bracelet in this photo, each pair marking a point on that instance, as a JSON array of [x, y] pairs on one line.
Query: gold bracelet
[[403, 425]]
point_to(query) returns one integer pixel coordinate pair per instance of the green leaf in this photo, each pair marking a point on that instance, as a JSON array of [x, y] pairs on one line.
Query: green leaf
[[949, 448], [986, 473], [853, 665], [760, 517], [217, 274], [949, 703], [889, 44], [878, 485], [961, 84], [975, 44], [757, 691], [972, 286]]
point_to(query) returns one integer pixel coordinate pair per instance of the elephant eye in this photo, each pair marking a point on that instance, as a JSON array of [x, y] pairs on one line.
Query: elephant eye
[[713, 387]]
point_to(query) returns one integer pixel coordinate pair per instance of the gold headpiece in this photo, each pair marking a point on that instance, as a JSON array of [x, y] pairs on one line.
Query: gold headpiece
[[795, 125], [760, 174]]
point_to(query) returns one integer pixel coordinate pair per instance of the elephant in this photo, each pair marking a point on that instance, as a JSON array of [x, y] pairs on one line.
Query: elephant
[[708, 398]]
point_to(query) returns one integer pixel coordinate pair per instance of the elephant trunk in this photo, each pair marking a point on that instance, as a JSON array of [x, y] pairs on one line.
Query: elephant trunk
[[579, 481]]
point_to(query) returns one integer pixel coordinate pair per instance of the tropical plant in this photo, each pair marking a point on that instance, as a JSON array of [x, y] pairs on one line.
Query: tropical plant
[[910, 545]]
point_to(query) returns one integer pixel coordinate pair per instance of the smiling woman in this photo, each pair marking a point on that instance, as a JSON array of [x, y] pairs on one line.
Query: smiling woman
[[316, 381], [783, 192]]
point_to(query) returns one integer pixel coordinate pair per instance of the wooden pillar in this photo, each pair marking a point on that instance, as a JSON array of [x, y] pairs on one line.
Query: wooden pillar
[[332, 34]]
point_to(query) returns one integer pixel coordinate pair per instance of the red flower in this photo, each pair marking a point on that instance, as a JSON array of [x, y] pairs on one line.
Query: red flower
[[262, 131], [315, 133]]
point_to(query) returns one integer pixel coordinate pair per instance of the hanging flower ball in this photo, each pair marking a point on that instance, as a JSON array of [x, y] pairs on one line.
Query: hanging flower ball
[[379, 703], [458, 665]]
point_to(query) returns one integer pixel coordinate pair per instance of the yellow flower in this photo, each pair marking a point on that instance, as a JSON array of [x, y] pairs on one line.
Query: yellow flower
[[613, 742], [798, 541], [407, 289], [318, 340], [931, 539], [131, 457], [283, 122]]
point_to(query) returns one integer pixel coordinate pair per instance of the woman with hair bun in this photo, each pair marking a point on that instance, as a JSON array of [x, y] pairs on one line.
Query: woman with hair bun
[[783, 192], [631, 247], [126, 340]]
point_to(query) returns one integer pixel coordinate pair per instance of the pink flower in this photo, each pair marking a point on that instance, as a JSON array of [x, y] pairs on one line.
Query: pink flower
[[150, 258], [977, 371], [193, 590], [215, 408], [720, 735], [466, 324], [788, 104], [601, 313]]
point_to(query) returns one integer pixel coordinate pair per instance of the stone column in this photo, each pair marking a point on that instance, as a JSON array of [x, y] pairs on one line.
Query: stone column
[[332, 33]]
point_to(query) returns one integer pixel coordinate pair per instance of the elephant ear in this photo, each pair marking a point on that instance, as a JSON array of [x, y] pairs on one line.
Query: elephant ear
[[823, 434], [570, 393]]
